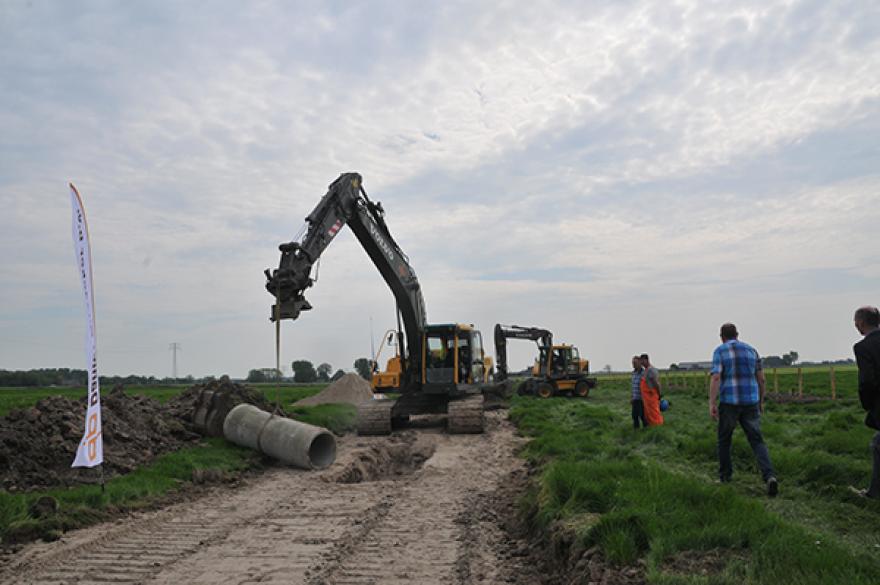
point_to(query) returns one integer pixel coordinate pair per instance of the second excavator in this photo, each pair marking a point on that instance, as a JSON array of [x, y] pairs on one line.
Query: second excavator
[[558, 369], [443, 368]]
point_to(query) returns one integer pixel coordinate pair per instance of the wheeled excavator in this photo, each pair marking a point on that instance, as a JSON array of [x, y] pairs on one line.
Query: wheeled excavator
[[442, 367], [558, 369]]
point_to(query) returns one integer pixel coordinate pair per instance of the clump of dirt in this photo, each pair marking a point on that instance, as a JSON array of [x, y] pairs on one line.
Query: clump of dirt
[[226, 395], [350, 388], [38, 444], [780, 398], [386, 460]]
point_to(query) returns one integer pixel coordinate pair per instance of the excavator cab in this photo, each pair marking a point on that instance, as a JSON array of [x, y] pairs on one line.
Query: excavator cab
[[453, 356], [560, 361]]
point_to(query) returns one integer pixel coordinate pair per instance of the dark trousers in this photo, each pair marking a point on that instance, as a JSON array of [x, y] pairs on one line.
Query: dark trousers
[[749, 418], [638, 413], [874, 488]]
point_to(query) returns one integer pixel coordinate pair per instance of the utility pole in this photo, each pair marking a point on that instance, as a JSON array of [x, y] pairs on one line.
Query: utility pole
[[174, 347]]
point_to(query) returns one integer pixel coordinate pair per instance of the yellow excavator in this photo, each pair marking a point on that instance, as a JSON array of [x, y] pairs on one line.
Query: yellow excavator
[[439, 368], [558, 369]]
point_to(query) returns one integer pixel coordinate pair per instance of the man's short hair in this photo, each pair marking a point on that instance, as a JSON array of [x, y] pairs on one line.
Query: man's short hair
[[644, 356], [868, 315], [728, 331]]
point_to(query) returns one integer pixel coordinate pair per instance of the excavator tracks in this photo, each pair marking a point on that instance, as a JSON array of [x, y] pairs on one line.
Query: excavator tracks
[[374, 417], [466, 415]]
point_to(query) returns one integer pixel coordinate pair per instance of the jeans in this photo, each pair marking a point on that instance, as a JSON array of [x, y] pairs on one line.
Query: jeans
[[874, 488], [749, 417], [638, 413]]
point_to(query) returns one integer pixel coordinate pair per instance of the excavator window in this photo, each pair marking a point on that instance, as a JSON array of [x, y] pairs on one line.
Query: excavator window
[[464, 356], [477, 365], [440, 358]]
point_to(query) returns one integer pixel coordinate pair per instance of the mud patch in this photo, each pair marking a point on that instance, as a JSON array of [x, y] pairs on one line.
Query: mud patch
[[390, 459], [555, 556], [704, 562]]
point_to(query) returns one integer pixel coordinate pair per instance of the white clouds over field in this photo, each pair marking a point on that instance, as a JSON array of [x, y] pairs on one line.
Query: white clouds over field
[[629, 174]]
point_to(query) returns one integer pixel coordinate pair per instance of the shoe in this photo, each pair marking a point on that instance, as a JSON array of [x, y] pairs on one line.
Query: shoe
[[772, 487], [862, 493]]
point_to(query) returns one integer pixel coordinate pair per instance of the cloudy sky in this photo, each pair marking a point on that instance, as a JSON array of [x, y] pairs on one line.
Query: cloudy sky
[[628, 174]]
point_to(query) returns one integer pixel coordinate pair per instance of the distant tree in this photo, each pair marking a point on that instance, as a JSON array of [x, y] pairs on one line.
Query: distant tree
[[674, 367], [607, 368], [337, 375], [774, 361], [256, 376], [363, 367], [323, 371], [792, 357], [304, 371]]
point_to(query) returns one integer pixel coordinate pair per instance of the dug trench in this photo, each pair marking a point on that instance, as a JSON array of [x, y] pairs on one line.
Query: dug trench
[[420, 506]]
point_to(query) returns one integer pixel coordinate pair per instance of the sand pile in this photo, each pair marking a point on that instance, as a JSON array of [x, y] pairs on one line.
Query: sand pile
[[350, 388], [37, 444]]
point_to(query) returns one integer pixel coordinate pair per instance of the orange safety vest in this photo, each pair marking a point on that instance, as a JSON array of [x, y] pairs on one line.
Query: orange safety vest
[[651, 401]]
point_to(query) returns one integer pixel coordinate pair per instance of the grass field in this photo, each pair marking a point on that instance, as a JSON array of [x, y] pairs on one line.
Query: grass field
[[653, 494], [816, 380]]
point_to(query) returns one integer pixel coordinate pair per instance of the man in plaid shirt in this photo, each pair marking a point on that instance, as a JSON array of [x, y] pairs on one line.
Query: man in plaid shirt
[[638, 407], [738, 378]]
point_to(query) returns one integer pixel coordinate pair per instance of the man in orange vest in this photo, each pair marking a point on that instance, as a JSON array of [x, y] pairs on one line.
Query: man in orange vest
[[650, 388]]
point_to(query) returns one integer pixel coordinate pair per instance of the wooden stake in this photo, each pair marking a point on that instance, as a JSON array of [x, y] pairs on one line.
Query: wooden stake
[[833, 385], [800, 383]]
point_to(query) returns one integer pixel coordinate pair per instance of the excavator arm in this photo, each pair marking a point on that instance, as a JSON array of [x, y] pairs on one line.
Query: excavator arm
[[346, 203], [543, 337]]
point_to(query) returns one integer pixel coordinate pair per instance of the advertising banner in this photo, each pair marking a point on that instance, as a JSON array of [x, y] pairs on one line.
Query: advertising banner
[[91, 449]]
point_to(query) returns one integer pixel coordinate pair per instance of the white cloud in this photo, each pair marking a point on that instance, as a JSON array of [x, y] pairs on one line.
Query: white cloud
[[536, 160]]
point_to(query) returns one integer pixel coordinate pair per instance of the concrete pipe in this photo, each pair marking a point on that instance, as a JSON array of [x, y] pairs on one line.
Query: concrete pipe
[[290, 441]]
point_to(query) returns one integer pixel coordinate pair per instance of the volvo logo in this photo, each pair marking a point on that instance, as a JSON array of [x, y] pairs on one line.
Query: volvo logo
[[374, 231]]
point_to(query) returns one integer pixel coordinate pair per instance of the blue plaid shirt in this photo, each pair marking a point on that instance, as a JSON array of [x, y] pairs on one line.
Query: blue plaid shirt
[[636, 385], [737, 362]]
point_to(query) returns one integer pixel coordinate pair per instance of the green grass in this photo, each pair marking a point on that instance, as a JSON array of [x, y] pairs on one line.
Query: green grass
[[652, 494], [85, 505], [816, 380], [28, 396], [338, 418]]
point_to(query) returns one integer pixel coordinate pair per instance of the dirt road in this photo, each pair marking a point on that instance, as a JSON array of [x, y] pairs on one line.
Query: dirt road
[[419, 507]]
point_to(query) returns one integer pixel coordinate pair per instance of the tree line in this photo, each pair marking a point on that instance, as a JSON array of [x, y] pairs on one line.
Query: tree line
[[73, 377], [306, 372]]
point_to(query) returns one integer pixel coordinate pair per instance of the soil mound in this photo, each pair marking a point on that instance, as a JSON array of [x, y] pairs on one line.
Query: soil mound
[[184, 405], [350, 388], [203, 408], [38, 444]]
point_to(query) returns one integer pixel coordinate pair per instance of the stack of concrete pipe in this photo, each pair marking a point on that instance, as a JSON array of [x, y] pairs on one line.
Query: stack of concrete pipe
[[292, 442]]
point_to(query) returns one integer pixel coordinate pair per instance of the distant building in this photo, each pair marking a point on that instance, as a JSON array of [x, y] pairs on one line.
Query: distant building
[[695, 366]]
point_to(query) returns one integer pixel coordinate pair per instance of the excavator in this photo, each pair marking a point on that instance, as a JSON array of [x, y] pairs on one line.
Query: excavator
[[558, 370], [441, 368]]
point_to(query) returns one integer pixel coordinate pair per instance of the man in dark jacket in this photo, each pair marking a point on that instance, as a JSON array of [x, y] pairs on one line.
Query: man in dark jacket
[[867, 321]]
